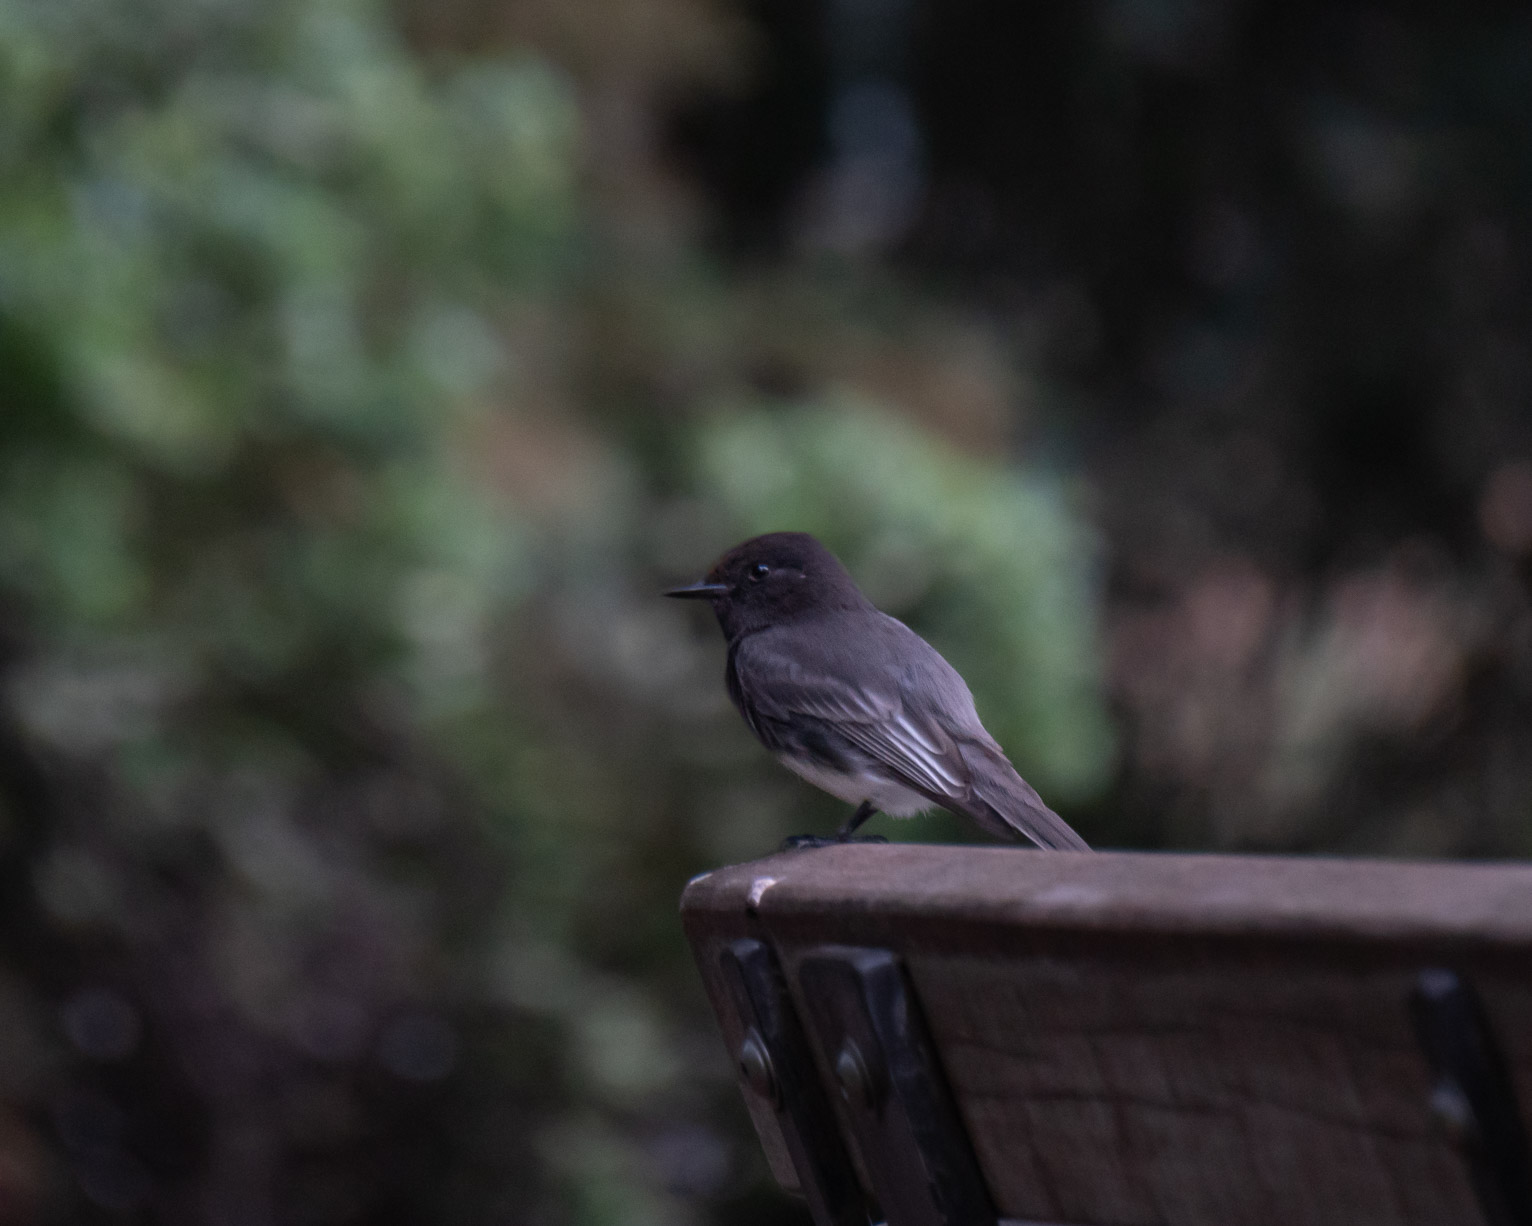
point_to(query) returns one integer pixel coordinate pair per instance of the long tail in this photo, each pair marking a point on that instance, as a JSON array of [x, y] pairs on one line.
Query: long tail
[[1007, 805]]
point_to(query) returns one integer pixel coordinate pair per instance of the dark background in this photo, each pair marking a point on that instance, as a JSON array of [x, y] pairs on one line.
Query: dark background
[[365, 371]]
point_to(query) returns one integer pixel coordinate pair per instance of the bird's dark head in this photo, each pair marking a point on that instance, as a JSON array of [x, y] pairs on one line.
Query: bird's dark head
[[771, 579]]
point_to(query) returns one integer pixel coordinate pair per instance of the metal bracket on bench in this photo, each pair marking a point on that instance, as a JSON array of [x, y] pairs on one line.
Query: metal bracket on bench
[[1473, 1097], [911, 1138], [776, 1063]]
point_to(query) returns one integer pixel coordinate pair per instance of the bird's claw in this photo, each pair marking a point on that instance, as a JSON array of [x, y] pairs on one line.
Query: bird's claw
[[800, 842]]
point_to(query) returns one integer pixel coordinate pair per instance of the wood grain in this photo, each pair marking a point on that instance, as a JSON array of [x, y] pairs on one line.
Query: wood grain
[[1181, 1040]]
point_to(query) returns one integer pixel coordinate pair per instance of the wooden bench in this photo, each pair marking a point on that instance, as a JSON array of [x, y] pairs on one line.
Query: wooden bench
[[955, 1035]]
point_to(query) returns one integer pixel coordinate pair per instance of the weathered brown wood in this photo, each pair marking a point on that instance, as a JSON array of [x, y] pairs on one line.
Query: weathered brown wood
[[1153, 1039]]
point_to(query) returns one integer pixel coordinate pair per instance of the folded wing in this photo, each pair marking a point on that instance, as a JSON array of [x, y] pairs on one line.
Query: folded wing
[[919, 726]]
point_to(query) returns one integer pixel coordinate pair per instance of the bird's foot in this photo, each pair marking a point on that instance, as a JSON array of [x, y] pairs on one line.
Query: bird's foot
[[799, 842]]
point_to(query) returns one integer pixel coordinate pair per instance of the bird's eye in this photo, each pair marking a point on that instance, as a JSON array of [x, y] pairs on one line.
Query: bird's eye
[[759, 571]]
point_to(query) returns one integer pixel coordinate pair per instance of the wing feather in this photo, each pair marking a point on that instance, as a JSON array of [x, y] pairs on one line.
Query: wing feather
[[875, 719], [914, 720]]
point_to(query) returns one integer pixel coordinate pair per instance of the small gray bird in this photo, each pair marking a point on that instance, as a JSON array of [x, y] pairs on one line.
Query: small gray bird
[[856, 702]]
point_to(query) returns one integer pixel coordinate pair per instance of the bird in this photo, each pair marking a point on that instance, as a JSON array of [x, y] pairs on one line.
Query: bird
[[854, 701]]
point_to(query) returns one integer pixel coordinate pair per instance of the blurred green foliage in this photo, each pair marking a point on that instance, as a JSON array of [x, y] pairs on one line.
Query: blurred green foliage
[[351, 764]]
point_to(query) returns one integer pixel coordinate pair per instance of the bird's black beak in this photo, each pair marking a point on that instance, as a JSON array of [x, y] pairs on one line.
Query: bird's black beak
[[699, 591]]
